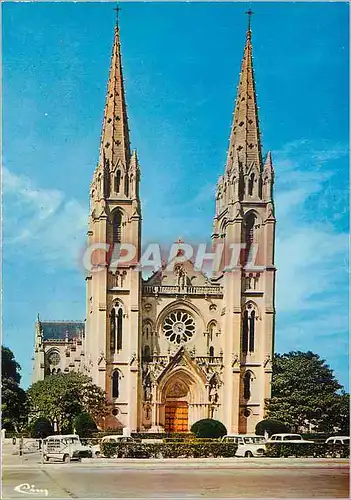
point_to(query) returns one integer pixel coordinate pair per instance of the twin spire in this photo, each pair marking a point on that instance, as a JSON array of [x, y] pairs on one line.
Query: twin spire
[[244, 143]]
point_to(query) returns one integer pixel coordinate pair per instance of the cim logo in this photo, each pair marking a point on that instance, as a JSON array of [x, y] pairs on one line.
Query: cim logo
[[30, 489]]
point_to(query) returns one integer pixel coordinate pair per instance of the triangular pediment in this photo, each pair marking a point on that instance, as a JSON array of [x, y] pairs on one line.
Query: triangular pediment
[[182, 358], [182, 274]]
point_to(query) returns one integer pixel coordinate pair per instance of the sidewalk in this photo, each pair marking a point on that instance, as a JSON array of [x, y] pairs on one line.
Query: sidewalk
[[215, 462]]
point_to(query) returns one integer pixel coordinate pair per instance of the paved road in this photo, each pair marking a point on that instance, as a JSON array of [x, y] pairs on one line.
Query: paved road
[[231, 478]]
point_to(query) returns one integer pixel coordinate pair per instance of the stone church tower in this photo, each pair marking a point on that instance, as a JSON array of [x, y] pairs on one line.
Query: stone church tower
[[180, 345], [113, 307], [245, 215]]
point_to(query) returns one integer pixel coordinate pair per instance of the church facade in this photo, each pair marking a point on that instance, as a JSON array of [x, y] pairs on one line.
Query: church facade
[[180, 345]]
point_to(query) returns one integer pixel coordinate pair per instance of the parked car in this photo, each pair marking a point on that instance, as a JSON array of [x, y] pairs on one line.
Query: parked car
[[65, 447], [338, 440], [287, 438], [96, 449], [249, 445]]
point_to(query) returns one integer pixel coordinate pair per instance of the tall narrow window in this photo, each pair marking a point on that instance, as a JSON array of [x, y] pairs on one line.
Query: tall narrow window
[[249, 234], [251, 184], [211, 329], [211, 351], [115, 384], [126, 185], [247, 385], [107, 187], [147, 353], [113, 331], [117, 227], [252, 332], [119, 329], [118, 181], [245, 339]]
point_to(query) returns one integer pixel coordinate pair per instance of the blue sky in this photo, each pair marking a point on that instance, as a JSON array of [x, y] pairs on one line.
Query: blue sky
[[181, 65]]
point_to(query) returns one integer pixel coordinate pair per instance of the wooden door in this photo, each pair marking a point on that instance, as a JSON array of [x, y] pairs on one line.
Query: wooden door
[[176, 417]]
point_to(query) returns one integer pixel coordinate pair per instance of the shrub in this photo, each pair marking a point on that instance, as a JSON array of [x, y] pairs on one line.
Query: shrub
[[312, 450], [180, 449], [84, 425], [208, 428], [41, 428], [271, 427]]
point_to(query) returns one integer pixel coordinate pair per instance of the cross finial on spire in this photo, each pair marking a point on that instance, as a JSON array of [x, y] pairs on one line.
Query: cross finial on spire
[[249, 13], [117, 9]]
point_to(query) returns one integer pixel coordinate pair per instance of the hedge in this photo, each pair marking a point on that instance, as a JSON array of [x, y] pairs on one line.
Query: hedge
[[161, 435], [208, 428], [169, 450], [312, 450]]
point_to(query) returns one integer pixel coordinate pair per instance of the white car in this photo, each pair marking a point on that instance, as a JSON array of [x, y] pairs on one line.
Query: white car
[[287, 438], [64, 447], [96, 450], [338, 440], [249, 445]]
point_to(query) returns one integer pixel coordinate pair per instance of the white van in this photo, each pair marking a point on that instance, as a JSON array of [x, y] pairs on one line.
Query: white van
[[65, 447], [338, 440], [288, 438], [96, 449], [249, 445]]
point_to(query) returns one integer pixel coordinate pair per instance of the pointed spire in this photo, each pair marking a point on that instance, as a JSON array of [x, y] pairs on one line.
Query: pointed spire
[[268, 177], [268, 164], [245, 134], [115, 145]]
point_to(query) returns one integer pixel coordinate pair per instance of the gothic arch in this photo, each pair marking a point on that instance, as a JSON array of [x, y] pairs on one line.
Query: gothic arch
[[117, 326], [121, 210], [250, 316], [117, 223], [116, 376], [117, 181], [117, 303], [185, 376], [254, 212], [248, 379], [147, 329], [212, 329], [252, 181], [52, 350], [250, 304]]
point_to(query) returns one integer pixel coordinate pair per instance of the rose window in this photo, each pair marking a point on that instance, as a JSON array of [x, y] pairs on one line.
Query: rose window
[[54, 358], [179, 327]]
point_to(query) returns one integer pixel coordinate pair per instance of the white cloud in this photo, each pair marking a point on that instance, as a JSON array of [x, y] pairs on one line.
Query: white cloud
[[311, 254], [41, 223]]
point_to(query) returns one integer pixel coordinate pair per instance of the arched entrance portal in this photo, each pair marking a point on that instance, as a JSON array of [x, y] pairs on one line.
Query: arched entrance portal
[[176, 407]]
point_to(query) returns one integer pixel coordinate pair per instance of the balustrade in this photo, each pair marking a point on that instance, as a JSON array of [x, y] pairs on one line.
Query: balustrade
[[189, 290]]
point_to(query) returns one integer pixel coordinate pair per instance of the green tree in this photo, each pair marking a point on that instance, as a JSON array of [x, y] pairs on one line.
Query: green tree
[[305, 392], [271, 427], [63, 396], [13, 398], [41, 428], [84, 425]]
